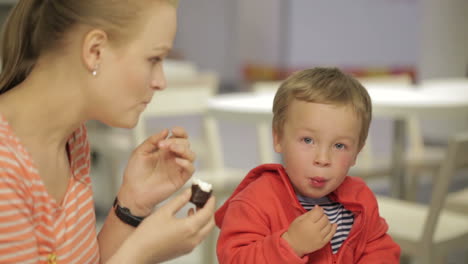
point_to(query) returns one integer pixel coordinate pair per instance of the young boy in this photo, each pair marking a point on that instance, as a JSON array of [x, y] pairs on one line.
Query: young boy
[[307, 210]]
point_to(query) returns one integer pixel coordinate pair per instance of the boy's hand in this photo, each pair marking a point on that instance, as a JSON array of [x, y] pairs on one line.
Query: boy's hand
[[309, 232]]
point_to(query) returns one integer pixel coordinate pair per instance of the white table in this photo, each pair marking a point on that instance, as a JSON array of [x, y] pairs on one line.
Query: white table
[[396, 102]]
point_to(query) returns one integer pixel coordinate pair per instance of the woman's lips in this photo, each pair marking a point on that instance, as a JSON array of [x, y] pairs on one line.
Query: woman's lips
[[318, 182]]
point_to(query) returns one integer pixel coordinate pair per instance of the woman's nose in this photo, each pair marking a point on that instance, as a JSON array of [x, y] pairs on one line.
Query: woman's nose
[[158, 79]]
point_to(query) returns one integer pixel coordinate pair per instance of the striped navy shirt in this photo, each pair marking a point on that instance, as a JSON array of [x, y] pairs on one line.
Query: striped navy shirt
[[336, 214]]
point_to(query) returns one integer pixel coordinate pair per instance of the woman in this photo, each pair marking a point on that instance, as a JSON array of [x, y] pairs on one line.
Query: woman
[[66, 62]]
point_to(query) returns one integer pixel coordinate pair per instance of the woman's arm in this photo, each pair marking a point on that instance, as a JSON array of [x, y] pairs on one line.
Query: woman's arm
[[157, 168], [162, 236]]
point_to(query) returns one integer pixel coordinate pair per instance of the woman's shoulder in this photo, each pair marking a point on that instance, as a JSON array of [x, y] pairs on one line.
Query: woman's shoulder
[[14, 159]]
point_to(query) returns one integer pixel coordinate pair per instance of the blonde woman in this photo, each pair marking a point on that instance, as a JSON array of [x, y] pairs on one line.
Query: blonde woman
[[65, 62]]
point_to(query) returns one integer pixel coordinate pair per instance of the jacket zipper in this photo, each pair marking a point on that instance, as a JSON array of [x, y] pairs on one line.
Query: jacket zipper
[[358, 210]]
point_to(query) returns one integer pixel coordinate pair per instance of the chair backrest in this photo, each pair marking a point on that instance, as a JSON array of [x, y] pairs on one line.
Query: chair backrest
[[264, 134], [414, 136], [387, 79], [265, 86], [456, 158]]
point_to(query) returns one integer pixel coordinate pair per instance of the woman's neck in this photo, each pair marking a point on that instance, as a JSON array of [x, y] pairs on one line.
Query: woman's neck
[[42, 110]]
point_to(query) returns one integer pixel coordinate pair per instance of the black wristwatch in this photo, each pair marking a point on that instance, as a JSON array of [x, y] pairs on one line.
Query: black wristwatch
[[124, 214]]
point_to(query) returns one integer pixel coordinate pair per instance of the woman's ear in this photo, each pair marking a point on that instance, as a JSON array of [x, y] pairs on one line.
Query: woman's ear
[[93, 45]]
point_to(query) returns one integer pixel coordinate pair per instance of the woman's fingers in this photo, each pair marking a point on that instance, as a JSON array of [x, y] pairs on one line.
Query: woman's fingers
[[151, 143], [178, 132], [190, 212], [183, 151], [179, 147], [175, 204], [207, 228], [203, 215], [187, 166]]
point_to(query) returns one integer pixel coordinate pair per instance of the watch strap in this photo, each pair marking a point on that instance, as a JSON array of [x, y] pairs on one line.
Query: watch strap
[[124, 214]]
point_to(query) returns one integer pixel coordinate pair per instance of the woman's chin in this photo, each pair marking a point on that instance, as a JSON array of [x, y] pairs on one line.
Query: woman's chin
[[124, 123]]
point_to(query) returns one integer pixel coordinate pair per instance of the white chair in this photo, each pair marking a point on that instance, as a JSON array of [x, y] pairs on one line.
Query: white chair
[[189, 99], [263, 128], [402, 78], [458, 201], [429, 232], [420, 159]]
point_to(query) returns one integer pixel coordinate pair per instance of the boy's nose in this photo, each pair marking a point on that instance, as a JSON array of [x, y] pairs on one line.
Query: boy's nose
[[322, 159]]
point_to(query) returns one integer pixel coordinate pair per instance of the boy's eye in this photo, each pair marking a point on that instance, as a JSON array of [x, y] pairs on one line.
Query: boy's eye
[[308, 140], [340, 146]]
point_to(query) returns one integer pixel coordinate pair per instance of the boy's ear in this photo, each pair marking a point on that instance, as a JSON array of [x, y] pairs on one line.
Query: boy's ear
[[276, 142], [357, 154], [94, 43]]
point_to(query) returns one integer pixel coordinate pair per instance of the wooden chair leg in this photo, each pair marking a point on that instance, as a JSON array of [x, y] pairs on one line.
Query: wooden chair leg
[[412, 185], [209, 247], [405, 260]]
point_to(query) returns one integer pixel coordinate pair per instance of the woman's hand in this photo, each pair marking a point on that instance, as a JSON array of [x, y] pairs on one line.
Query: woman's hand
[[157, 168], [163, 236]]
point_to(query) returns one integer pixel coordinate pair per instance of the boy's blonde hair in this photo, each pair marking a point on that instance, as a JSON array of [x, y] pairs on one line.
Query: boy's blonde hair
[[325, 86]]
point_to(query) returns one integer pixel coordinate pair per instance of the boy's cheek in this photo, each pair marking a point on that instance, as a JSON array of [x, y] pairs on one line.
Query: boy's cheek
[[347, 161]]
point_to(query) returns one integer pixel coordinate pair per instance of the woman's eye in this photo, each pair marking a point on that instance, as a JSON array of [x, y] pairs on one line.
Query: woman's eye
[[155, 60], [308, 140], [340, 146]]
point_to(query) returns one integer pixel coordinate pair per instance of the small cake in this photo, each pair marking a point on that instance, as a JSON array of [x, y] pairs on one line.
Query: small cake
[[201, 192]]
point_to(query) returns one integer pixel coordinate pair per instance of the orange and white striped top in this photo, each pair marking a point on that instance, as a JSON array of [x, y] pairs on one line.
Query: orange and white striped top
[[34, 228]]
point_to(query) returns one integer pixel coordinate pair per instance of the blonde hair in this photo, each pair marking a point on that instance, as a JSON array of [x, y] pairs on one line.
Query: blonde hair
[[327, 86], [35, 27]]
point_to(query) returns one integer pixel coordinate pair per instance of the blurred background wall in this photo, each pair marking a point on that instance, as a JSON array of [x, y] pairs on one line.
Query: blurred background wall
[[426, 36], [246, 41], [232, 37]]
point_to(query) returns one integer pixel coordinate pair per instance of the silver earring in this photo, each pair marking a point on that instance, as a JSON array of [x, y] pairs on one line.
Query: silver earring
[[94, 72]]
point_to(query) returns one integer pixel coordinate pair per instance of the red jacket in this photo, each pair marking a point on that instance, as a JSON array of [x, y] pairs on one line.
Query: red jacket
[[264, 204]]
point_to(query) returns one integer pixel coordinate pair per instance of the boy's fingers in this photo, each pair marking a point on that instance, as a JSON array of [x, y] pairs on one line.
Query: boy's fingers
[[316, 213], [332, 232], [325, 230], [323, 221]]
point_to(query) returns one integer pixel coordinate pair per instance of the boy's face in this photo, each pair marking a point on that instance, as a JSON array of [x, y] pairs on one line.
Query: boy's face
[[319, 144]]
